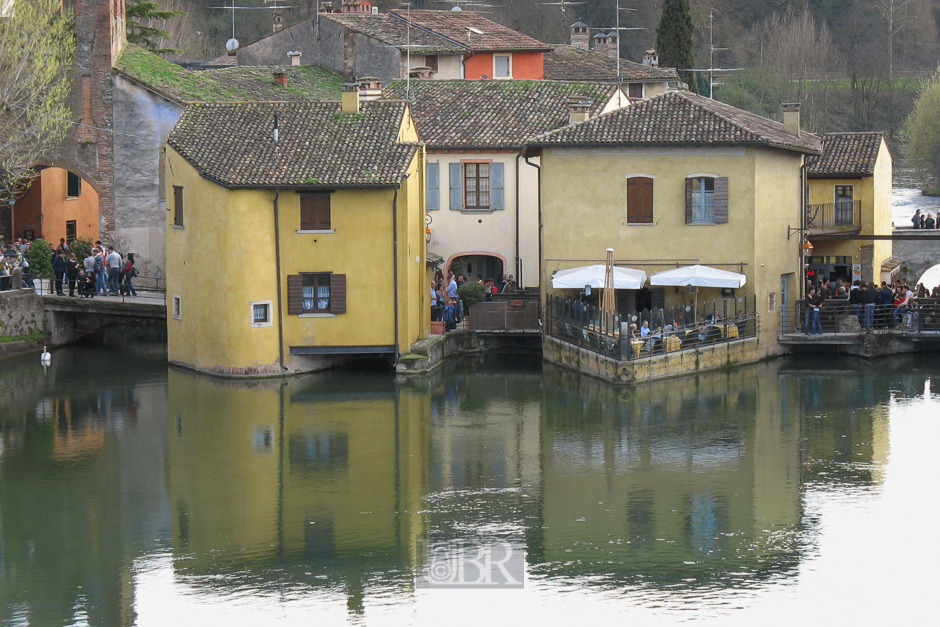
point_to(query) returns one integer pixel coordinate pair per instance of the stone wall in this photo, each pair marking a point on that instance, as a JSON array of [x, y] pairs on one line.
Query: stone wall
[[917, 255], [674, 364], [21, 313]]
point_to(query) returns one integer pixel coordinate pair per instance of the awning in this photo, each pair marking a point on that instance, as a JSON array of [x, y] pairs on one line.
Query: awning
[[698, 276], [577, 278]]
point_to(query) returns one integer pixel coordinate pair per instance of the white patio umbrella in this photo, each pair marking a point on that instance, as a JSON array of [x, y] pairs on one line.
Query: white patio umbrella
[[698, 276], [577, 278]]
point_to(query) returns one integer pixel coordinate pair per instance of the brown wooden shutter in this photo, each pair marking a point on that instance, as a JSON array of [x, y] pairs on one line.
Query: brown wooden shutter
[[688, 201], [639, 200], [315, 211], [338, 293], [721, 200], [295, 294], [323, 211], [178, 205]]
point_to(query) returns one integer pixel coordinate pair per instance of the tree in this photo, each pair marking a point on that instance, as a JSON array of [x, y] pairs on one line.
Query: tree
[[923, 129], [145, 35], [36, 48], [674, 39]]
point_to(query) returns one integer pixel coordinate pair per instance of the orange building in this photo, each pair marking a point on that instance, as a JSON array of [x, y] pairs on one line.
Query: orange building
[[58, 204]]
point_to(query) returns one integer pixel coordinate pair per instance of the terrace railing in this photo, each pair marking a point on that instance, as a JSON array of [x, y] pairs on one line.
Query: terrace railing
[[834, 215]]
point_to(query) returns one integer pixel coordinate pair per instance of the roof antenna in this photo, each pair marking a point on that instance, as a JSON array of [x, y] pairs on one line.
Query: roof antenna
[[275, 129]]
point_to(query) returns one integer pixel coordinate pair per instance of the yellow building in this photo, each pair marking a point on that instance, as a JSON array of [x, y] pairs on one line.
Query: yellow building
[[849, 194], [295, 235], [676, 180]]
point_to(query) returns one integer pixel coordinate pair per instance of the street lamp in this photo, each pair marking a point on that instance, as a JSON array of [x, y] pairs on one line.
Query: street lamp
[[807, 249]]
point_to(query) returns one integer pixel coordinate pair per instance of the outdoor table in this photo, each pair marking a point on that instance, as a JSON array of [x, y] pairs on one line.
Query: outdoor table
[[672, 343]]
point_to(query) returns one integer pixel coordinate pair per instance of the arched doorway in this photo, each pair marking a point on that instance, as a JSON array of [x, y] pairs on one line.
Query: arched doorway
[[930, 278], [473, 263], [59, 204]]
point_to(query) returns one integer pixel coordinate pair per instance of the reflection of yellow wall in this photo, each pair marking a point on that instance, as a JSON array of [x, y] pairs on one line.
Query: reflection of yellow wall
[[874, 192], [229, 468], [581, 219], [223, 259]]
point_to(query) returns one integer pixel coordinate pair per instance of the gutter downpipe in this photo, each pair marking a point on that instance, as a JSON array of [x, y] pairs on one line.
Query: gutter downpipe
[[463, 64], [542, 285], [277, 254], [803, 207], [395, 265], [518, 261]]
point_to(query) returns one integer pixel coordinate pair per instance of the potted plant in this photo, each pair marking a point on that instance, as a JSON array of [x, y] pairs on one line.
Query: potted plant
[[40, 264], [470, 293]]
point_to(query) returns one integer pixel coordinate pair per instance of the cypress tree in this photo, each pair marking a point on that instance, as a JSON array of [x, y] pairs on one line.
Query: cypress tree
[[674, 39]]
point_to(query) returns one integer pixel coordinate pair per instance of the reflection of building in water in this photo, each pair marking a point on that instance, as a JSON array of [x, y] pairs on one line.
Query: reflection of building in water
[[689, 480], [314, 477]]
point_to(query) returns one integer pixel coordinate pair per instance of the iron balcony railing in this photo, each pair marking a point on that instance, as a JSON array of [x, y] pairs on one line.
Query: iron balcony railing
[[834, 215], [839, 316], [612, 335]]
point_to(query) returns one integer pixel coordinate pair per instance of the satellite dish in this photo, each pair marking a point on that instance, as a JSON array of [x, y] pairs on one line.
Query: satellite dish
[[456, 9], [231, 45]]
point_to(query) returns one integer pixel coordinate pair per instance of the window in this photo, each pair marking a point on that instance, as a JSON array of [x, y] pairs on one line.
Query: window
[[178, 206], [70, 231], [639, 200], [316, 294], [177, 307], [635, 90], [431, 62], [315, 211], [261, 314], [502, 66], [706, 199], [73, 186], [477, 185], [844, 197]]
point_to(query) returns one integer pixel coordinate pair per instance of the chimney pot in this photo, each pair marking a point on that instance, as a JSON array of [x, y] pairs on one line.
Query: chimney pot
[[579, 109], [791, 117], [350, 97], [280, 77]]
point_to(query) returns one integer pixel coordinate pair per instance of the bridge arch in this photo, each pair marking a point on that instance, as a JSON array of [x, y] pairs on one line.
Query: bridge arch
[[474, 257], [930, 277]]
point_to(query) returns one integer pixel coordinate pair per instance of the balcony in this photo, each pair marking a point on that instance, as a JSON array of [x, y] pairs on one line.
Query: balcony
[[834, 218]]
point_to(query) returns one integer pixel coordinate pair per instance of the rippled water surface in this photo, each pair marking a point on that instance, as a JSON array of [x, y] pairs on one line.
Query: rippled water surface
[[790, 492]]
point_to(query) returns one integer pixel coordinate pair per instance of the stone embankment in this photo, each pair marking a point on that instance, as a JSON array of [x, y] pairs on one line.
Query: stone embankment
[[21, 314]]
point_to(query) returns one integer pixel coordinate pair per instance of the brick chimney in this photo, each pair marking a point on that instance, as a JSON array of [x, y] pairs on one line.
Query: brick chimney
[[651, 58], [791, 117], [370, 88], [580, 35], [600, 43], [280, 77], [278, 21], [350, 97], [579, 109], [613, 45]]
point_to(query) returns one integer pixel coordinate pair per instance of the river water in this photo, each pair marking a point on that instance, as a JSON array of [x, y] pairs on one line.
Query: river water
[[793, 490]]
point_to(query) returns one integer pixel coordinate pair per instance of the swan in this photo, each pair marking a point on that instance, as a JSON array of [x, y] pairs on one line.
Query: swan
[[45, 359]]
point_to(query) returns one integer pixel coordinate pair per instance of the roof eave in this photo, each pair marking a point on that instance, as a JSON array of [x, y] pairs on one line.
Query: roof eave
[[667, 144]]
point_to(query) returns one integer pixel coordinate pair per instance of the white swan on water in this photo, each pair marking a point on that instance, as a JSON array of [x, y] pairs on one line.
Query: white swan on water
[[45, 359]]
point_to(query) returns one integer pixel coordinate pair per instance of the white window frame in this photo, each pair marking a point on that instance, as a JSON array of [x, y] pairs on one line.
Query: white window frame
[[508, 58], [177, 307], [251, 312]]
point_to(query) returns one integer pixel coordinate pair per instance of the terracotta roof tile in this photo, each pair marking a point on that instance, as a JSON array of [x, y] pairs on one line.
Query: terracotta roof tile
[[846, 154], [567, 63], [393, 31], [456, 25], [679, 118], [319, 146], [493, 114]]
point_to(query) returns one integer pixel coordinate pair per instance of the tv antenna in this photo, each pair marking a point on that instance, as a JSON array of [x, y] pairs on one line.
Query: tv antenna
[[712, 49], [232, 44]]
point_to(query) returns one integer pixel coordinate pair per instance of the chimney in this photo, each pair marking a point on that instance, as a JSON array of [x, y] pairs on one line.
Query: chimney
[[580, 36], [350, 97], [326, 7], [651, 58], [280, 77], [370, 88], [600, 43], [791, 117], [579, 109], [278, 21], [294, 57], [613, 45]]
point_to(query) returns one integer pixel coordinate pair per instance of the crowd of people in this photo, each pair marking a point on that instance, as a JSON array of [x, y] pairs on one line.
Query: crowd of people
[[876, 306], [104, 271], [925, 222], [448, 307]]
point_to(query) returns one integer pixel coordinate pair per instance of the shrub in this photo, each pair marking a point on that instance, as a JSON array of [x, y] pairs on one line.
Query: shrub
[[81, 247], [40, 260], [471, 293]]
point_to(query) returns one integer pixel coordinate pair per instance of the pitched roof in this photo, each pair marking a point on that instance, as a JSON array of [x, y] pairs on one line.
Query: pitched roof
[[234, 84], [319, 146], [490, 114], [679, 118], [846, 154], [457, 25], [567, 63], [393, 31]]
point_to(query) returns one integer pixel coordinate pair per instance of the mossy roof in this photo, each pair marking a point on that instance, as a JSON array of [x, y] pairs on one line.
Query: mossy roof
[[234, 84]]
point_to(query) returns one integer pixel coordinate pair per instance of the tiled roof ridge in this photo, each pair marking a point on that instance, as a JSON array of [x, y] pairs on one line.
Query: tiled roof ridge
[[428, 30], [714, 108], [595, 118]]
